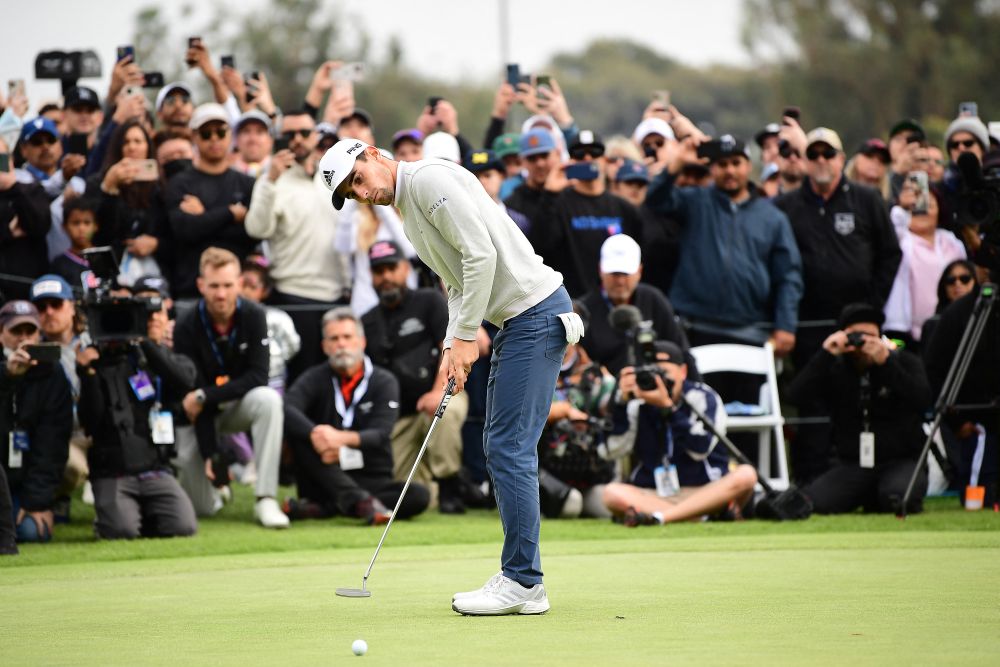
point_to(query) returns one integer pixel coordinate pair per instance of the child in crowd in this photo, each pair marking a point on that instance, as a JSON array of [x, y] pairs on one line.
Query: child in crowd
[[80, 224]]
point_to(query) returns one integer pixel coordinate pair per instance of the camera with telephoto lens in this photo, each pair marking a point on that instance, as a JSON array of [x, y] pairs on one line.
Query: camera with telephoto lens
[[855, 339], [113, 319], [644, 351]]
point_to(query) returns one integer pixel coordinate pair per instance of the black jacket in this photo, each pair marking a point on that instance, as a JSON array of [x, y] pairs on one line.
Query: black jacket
[[121, 217], [899, 394], [45, 410], [25, 255], [112, 414], [310, 401], [848, 245]]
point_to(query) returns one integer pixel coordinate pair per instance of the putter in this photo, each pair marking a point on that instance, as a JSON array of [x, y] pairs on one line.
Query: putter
[[363, 592]]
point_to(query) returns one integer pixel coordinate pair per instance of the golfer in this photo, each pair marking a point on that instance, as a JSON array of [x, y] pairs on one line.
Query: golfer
[[492, 273]]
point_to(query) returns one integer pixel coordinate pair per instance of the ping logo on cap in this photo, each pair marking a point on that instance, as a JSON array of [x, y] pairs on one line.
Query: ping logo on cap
[[353, 148], [328, 177]]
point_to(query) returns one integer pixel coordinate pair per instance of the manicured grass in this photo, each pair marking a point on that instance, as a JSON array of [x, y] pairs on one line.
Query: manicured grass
[[831, 590]]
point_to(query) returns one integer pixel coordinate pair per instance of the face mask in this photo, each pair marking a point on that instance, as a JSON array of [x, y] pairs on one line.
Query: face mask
[[175, 167]]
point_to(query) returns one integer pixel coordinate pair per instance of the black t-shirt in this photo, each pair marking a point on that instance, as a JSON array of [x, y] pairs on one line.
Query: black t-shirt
[[406, 340], [215, 227]]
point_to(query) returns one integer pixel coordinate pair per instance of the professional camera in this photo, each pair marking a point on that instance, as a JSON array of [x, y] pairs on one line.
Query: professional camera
[[113, 319], [855, 339], [980, 204], [641, 345]]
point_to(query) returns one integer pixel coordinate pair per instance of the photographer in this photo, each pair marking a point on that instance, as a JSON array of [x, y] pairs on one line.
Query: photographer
[[129, 393], [36, 416], [877, 396], [679, 470]]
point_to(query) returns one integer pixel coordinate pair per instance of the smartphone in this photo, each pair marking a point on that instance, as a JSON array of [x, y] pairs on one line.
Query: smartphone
[[513, 74], [77, 144], [543, 80], [432, 102], [583, 171], [708, 149], [968, 109], [126, 51], [147, 170], [15, 87], [45, 353], [152, 80], [919, 180], [132, 90], [4, 162], [281, 143], [192, 42], [662, 98], [227, 61], [250, 80], [349, 72], [792, 112]]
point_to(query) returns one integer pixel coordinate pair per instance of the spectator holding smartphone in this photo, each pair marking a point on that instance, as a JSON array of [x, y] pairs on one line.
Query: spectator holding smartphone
[[36, 419], [24, 221]]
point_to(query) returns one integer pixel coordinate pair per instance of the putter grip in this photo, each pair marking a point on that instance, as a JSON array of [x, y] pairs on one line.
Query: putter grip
[[448, 391]]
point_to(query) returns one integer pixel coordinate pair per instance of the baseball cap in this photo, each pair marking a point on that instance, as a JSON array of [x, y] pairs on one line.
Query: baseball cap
[[769, 171], [51, 286], [856, 313], [586, 139], [359, 114], [40, 124], [409, 134], [536, 141], [652, 126], [384, 252], [168, 89], [770, 130], [254, 115], [81, 96], [630, 170], [206, 113], [326, 129], [824, 135], [337, 163], [973, 126], [18, 312], [442, 145], [727, 146], [675, 355], [877, 147], [507, 144], [156, 284], [620, 254], [483, 160], [905, 125]]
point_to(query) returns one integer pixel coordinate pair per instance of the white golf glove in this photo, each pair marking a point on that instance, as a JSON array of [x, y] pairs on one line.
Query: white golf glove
[[574, 327]]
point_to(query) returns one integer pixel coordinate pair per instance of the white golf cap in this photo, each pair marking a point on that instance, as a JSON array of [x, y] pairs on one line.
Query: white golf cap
[[652, 126], [620, 254], [206, 113], [442, 145], [337, 164], [169, 88]]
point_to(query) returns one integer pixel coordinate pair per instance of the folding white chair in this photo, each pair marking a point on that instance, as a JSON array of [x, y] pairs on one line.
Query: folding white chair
[[753, 360]]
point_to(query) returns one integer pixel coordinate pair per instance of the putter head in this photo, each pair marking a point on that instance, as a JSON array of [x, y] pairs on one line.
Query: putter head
[[353, 593]]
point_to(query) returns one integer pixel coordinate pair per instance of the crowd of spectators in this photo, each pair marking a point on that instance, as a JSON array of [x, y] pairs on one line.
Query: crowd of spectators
[[288, 341]]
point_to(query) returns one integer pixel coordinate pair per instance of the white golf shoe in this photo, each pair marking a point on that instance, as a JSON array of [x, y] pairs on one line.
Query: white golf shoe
[[503, 596], [269, 513], [478, 591]]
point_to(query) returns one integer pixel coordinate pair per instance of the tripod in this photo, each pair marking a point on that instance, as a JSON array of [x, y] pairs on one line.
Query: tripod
[[956, 376]]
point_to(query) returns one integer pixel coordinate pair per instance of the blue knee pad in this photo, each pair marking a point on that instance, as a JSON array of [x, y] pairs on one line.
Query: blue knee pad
[[28, 531]]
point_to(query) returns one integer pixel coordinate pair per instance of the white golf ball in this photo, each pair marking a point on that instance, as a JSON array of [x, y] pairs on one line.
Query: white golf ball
[[360, 647]]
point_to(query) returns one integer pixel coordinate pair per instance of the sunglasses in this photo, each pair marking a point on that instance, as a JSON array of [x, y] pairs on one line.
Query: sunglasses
[[220, 133], [536, 157], [290, 134], [827, 153], [41, 140], [964, 143], [787, 151], [963, 278], [54, 305], [583, 153]]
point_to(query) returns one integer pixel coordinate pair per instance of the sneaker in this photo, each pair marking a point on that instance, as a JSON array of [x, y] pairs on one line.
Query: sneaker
[[303, 508], [88, 493], [504, 596], [372, 511], [269, 514], [471, 594], [635, 518]]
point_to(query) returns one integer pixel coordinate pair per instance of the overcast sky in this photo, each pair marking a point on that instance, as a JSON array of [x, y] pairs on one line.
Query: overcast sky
[[453, 39]]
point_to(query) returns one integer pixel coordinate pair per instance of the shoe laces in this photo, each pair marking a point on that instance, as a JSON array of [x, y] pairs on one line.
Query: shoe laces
[[495, 583]]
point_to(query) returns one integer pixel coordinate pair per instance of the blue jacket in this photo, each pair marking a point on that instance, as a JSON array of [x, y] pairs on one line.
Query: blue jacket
[[738, 262]]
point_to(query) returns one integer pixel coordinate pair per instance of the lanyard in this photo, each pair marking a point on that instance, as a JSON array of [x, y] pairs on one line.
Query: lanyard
[[866, 401], [346, 412], [211, 333]]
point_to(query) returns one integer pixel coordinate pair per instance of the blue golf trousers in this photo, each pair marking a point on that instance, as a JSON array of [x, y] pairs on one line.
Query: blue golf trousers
[[527, 355]]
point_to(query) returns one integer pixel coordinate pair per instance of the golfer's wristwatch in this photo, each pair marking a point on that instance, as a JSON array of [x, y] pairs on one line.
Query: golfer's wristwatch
[[199, 396]]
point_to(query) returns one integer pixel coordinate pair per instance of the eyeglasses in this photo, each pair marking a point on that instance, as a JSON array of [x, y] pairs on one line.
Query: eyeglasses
[[303, 133], [964, 143], [827, 153], [220, 133], [583, 153], [41, 139], [55, 305], [177, 99], [963, 278]]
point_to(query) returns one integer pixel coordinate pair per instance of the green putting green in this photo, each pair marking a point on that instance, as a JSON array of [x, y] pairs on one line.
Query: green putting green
[[864, 589]]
